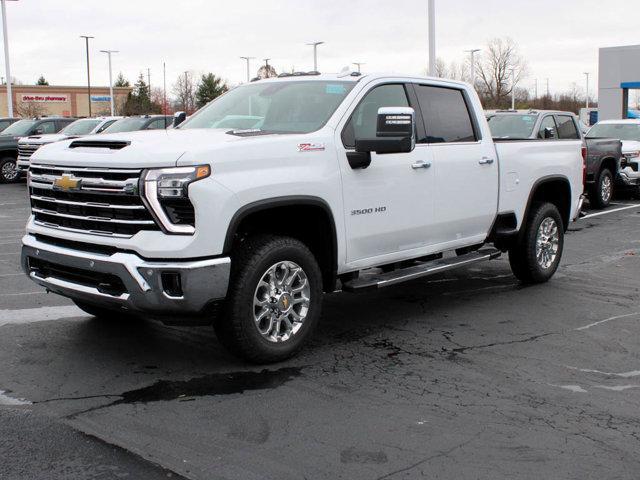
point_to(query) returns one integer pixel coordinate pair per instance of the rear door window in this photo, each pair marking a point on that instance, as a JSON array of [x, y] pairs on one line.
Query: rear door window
[[446, 115], [548, 123], [567, 128]]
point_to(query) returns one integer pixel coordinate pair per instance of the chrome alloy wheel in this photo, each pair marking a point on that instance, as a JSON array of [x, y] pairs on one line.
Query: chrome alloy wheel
[[281, 301], [10, 171], [605, 189], [547, 243]]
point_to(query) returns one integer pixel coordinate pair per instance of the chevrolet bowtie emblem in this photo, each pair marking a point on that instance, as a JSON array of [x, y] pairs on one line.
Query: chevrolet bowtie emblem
[[67, 183]]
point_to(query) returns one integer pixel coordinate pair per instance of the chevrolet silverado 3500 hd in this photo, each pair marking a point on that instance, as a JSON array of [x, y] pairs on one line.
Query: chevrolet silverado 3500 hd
[[289, 187]]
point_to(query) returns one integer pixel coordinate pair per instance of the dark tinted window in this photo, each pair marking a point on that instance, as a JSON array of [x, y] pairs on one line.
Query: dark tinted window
[[4, 124], [548, 123], [47, 127], [567, 127], [156, 124], [446, 115], [363, 121]]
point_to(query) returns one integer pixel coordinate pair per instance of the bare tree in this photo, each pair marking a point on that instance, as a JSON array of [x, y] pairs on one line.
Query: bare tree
[[185, 91], [441, 68], [30, 109], [501, 56]]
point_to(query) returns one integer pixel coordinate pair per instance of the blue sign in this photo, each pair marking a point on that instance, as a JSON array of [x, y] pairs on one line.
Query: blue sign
[[100, 98]]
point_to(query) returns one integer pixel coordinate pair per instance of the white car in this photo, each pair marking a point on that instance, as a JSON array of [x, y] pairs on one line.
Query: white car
[[628, 131], [316, 182], [79, 128]]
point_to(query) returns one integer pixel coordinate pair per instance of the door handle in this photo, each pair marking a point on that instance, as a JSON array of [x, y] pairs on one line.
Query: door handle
[[420, 164], [486, 161]]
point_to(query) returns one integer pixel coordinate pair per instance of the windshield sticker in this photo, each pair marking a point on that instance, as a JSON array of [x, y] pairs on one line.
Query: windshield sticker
[[310, 147], [335, 89]]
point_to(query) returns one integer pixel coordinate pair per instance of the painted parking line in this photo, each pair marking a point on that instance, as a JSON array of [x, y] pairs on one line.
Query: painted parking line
[[591, 215], [41, 314]]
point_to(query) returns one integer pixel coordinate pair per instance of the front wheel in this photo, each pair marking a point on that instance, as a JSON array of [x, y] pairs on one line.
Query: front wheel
[[8, 170], [537, 253], [602, 193], [274, 299]]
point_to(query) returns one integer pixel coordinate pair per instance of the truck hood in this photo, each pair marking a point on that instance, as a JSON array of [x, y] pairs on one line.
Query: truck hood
[[144, 149], [42, 139], [630, 146]]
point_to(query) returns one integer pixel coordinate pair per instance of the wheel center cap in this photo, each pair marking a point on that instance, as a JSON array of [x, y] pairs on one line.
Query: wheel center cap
[[284, 302]]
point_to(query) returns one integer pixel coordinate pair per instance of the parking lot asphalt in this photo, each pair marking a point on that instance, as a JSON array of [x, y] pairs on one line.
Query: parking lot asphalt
[[461, 375]]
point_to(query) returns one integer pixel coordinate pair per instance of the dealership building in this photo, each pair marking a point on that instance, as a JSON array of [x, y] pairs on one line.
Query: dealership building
[[41, 100], [618, 72]]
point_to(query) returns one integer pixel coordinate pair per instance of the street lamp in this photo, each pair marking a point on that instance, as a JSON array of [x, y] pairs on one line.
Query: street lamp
[[513, 89], [6, 58], [315, 54], [587, 75], [432, 37], [248, 60], [109, 52], [86, 39], [472, 53], [359, 64]]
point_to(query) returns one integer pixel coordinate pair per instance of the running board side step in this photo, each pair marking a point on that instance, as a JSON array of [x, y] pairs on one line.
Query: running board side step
[[424, 269]]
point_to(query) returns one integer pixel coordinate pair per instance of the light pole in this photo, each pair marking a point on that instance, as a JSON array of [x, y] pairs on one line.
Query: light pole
[[472, 53], [113, 107], [248, 60], [432, 37], [536, 90], [548, 95], [6, 58], [587, 75], [86, 40], [315, 54], [513, 89], [149, 81], [359, 64]]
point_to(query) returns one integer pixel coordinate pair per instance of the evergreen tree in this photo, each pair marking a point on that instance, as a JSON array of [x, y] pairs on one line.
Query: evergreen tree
[[121, 81], [138, 101], [42, 81], [209, 88]]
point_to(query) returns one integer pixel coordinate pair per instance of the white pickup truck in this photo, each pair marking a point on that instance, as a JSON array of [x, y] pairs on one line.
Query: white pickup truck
[[289, 187]]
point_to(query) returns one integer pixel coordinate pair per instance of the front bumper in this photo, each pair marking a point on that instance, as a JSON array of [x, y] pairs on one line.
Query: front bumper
[[142, 285], [627, 177]]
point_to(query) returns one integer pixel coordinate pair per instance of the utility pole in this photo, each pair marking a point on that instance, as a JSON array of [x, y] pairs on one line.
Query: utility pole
[[86, 39], [149, 81], [472, 53], [109, 52], [186, 92], [315, 54], [548, 88], [513, 89], [6, 59], [536, 90], [432, 37], [164, 88], [359, 64], [587, 75], [248, 60]]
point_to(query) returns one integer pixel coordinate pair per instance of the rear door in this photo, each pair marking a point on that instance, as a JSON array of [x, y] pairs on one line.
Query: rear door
[[464, 165], [388, 206]]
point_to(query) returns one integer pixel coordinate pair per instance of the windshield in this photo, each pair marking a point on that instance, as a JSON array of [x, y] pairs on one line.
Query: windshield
[[21, 127], [512, 126], [127, 125], [80, 127], [621, 131], [273, 107]]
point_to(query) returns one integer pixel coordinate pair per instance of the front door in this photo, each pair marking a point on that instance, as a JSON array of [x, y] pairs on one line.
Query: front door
[[388, 206]]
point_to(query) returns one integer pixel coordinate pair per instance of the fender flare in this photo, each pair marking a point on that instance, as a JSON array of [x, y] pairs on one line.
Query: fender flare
[[537, 184]]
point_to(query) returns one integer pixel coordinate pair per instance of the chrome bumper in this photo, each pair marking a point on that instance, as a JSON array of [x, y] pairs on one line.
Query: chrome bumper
[[202, 281]]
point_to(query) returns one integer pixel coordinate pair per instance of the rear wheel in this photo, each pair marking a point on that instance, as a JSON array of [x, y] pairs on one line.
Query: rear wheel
[[602, 192], [9, 170], [274, 299], [536, 255]]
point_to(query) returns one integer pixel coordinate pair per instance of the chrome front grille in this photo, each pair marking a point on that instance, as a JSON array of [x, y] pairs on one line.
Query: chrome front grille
[[98, 201], [25, 150]]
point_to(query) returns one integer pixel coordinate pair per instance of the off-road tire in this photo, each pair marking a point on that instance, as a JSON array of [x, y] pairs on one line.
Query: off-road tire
[[522, 256], [236, 328]]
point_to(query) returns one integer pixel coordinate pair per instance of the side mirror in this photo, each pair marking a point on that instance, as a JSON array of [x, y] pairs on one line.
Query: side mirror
[[548, 132], [394, 133], [178, 118]]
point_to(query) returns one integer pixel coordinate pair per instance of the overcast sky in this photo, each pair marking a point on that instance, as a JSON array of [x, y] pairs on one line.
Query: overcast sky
[[559, 38]]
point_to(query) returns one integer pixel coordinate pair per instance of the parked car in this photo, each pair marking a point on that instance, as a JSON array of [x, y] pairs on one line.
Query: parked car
[[6, 121], [143, 122], [603, 154], [79, 128], [628, 132], [344, 181], [23, 128]]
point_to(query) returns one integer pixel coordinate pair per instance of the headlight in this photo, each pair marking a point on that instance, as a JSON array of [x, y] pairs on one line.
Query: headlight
[[166, 191], [631, 155]]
